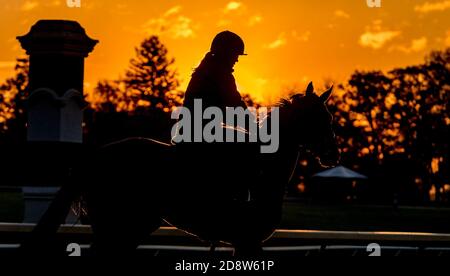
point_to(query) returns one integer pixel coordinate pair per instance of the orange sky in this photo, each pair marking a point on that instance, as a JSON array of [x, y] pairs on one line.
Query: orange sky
[[288, 42]]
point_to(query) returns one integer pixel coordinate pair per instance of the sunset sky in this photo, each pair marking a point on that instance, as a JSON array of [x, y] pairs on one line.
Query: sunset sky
[[288, 42]]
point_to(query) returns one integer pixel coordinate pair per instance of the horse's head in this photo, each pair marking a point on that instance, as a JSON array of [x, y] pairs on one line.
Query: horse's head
[[311, 125]]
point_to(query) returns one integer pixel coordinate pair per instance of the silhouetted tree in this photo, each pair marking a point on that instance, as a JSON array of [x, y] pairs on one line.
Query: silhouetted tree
[[13, 93], [139, 103], [423, 92], [401, 115], [107, 97], [151, 81]]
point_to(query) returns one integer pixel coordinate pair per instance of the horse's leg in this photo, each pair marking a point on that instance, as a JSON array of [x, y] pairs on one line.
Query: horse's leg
[[111, 239], [257, 221], [43, 238], [123, 205], [122, 214], [119, 229]]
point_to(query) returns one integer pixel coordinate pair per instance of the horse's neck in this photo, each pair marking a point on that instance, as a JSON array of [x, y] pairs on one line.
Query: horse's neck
[[284, 161]]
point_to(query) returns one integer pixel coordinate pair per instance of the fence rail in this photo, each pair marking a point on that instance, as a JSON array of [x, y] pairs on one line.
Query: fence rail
[[280, 234], [170, 241]]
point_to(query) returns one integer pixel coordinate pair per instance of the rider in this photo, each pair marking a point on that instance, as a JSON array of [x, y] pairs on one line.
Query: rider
[[213, 80], [220, 175]]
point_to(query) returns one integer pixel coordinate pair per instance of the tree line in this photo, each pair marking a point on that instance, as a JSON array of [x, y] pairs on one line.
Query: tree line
[[393, 126]]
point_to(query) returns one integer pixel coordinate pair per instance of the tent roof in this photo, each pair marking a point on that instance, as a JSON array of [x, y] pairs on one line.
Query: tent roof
[[340, 172]]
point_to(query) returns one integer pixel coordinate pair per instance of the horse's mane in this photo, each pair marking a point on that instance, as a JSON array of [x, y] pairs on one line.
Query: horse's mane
[[290, 101], [295, 105], [290, 104], [287, 106]]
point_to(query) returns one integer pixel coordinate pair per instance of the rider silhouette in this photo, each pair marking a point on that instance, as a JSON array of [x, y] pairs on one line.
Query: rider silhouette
[[213, 81], [221, 167]]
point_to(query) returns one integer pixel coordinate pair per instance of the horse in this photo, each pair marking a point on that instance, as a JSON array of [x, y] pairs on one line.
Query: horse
[[142, 183], [228, 193]]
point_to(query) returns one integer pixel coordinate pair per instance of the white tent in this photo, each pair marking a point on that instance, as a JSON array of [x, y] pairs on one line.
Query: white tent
[[340, 172]]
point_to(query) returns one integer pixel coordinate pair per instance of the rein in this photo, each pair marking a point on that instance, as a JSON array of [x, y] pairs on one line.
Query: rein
[[295, 166]]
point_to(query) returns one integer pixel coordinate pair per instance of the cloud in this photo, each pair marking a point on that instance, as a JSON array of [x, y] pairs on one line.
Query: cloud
[[121, 9], [7, 64], [171, 23], [233, 10], [179, 27], [172, 11], [417, 45], [29, 5], [301, 37], [233, 6], [377, 40], [341, 14], [431, 7], [182, 28], [376, 36], [279, 42], [54, 3], [223, 23], [254, 20]]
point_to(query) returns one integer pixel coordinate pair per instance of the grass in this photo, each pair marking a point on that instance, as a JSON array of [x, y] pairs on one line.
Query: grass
[[11, 206], [365, 218]]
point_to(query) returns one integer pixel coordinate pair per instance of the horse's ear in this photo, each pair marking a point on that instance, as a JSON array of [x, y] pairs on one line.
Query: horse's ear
[[310, 89], [326, 95]]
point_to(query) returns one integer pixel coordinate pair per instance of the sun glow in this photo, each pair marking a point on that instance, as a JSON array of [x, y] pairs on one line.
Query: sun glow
[[289, 43]]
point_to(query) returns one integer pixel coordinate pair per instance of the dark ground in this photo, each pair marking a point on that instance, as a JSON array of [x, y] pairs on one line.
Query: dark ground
[[301, 215], [353, 217]]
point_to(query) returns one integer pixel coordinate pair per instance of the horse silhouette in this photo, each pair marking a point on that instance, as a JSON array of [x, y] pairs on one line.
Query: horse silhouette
[[226, 192]]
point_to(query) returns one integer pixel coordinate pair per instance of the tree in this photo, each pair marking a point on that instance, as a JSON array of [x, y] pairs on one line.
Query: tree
[[139, 103], [426, 90], [13, 94], [150, 84], [399, 115], [108, 97], [150, 81]]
